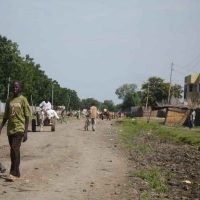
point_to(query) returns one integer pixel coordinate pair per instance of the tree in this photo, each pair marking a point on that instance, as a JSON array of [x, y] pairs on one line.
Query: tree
[[129, 95], [74, 101], [9, 63], [109, 105], [36, 84], [87, 103], [155, 90], [176, 91], [125, 90], [131, 100]]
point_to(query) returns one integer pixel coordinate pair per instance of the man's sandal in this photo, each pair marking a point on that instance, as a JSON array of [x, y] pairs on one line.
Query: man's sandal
[[11, 178]]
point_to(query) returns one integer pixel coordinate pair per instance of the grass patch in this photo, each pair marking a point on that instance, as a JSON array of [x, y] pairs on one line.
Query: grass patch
[[143, 148], [154, 177], [146, 195], [130, 128]]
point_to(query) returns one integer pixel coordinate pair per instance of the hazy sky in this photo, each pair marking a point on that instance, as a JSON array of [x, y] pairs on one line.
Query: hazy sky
[[95, 46]]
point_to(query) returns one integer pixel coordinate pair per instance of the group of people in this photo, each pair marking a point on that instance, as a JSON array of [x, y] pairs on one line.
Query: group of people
[[17, 116]]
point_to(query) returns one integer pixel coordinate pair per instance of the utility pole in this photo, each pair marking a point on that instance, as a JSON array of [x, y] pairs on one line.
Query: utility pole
[[147, 96], [169, 92], [8, 89], [68, 102], [52, 96], [32, 102]]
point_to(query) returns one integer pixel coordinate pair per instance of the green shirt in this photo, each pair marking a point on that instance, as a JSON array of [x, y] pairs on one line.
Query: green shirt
[[17, 108]]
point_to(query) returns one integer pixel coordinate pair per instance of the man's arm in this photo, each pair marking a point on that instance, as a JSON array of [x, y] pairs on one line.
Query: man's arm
[[25, 137]]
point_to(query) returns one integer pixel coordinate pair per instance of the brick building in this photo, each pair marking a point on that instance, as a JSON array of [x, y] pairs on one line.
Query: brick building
[[192, 88]]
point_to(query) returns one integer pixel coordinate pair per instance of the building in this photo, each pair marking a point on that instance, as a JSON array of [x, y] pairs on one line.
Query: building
[[192, 88]]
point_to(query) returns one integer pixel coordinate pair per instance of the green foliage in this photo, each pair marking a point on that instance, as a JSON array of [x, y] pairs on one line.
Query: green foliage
[[132, 127], [109, 105], [75, 101], [129, 95], [36, 84], [128, 130], [9, 59], [154, 177], [146, 195], [130, 100], [176, 91], [87, 103], [156, 90], [124, 90]]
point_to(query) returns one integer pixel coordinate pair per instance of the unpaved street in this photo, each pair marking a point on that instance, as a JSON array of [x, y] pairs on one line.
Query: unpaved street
[[68, 164]]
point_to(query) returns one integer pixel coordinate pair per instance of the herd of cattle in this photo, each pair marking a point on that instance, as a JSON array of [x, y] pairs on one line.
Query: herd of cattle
[[63, 113], [100, 114], [110, 115]]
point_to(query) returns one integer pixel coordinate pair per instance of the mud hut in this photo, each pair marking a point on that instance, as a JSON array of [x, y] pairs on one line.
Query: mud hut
[[175, 115]]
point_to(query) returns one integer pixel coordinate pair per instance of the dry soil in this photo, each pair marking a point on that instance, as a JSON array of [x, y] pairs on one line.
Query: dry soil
[[68, 164]]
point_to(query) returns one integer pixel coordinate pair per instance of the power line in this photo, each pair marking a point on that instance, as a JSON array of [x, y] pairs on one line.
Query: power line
[[190, 63], [179, 72]]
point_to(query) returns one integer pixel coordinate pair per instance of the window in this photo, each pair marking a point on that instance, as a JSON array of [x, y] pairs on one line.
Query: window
[[185, 91], [195, 88], [190, 87]]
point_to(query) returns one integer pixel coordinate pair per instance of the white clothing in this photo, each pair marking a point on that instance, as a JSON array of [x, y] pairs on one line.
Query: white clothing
[[45, 105], [52, 113], [193, 114]]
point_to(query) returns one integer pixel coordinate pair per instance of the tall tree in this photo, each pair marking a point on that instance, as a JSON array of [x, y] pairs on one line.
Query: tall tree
[[155, 90], [109, 105], [9, 64], [36, 84], [176, 91], [125, 89], [86, 103], [129, 95]]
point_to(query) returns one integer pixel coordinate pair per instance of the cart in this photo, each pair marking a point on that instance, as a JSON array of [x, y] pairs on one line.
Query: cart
[[37, 121]]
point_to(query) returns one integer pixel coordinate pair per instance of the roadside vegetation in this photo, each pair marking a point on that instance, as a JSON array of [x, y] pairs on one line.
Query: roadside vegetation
[[164, 160], [132, 127]]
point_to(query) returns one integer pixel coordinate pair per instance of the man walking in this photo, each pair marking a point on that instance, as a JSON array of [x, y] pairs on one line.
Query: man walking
[[93, 116], [17, 113]]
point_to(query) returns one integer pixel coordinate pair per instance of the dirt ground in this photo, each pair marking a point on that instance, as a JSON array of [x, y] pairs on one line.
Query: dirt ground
[[73, 164], [68, 164], [178, 163]]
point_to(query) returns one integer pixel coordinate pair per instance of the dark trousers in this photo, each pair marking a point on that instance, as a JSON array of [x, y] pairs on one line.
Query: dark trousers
[[15, 143]]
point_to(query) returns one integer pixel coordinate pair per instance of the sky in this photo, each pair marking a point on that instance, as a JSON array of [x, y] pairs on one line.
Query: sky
[[96, 46]]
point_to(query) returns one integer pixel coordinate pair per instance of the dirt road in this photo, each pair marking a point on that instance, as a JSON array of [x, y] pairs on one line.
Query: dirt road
[[68, 164]]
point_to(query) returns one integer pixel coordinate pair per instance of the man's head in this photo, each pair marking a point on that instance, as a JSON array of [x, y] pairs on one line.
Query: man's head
[[16, 88], [46, 99]]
